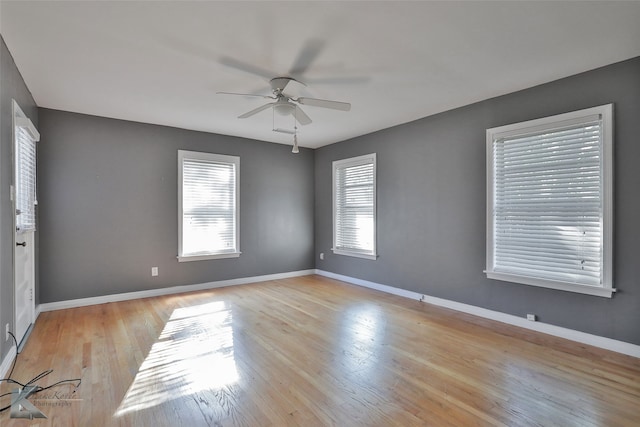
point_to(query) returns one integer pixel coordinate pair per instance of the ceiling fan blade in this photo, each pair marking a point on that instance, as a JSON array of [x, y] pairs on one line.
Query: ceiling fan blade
[[300, 116], [245, 94], [338, 80], [256, 110], [307, 55], [243, 66], [335, 105]]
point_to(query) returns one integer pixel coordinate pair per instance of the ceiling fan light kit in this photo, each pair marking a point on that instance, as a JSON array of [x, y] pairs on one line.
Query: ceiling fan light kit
[[283, 107]]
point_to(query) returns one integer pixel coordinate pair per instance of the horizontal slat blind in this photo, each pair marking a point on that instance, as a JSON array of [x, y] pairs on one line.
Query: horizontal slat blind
[[25, 180], [548, 211], [209, 207], [354, 202]]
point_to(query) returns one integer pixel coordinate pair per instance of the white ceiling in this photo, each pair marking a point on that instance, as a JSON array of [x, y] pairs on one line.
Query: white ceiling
[[163, 62]]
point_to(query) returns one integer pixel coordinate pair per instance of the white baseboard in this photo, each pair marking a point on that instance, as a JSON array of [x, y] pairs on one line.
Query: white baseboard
[[81, 302], [371, 285], [8, 360], [570, 334]]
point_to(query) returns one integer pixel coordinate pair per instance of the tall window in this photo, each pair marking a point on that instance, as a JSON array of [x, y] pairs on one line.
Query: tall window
[[549, 201], [354, 206], [26, 136], [207, 206]]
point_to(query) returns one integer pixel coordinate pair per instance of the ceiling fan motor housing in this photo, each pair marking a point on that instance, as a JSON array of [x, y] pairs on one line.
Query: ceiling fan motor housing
[[279, 83]]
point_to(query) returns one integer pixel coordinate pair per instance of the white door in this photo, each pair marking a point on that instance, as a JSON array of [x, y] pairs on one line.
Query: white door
[[24, 203], [24, 279]]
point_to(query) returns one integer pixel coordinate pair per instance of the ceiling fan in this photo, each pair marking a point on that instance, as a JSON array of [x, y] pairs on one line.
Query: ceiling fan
[[285, 104]]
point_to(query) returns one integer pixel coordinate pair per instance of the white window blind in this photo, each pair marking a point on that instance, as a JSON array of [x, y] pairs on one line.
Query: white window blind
[[26, 137], [354, 203], [208, 206], [548, 203]]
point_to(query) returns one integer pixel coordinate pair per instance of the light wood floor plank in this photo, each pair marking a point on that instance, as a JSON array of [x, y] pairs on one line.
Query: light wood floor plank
[[312, 351]]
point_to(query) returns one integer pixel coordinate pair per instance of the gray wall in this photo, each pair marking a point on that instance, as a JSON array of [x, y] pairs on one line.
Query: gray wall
[[12, 86], [108, 207], [432, 207]]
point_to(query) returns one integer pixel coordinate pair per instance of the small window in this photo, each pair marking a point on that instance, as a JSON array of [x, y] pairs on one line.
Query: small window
[[549, 201], [354, 206], [207, 206], [25, 138]]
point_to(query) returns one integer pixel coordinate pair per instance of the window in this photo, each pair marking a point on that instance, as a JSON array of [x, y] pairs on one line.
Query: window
[[207, 206], [25, 136], [354, 206], [549, 201]]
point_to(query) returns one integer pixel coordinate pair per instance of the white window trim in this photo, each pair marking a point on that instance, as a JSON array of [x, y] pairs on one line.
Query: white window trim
[[354, 161], [182, 154], [20, 120], [606, 113]]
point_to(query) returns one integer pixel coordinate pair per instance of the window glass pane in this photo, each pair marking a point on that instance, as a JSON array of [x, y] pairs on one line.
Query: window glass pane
[[25, 181], [550, 203], [354, 205], [209, 205], [548, 210]]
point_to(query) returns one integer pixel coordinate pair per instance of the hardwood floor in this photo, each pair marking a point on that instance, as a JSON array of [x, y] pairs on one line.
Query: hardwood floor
[[312, 351]]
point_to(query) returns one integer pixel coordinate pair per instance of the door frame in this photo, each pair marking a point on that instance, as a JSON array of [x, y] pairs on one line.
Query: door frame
[[18, 113]]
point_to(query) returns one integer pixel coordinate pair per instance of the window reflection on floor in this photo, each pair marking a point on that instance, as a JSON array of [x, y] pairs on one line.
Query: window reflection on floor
[[193, 353], [362, 336]]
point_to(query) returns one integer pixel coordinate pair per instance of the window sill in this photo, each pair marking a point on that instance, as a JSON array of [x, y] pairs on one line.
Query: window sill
[[208, 257], [552, 284], [354, 254]]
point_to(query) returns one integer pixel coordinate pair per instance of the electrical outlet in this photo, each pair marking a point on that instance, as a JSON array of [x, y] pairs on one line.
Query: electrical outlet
[[321, 255], [531, 317], [6, 332], [154, 271]]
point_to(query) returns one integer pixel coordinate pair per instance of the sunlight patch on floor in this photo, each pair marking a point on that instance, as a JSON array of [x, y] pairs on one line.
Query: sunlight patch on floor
[[193, 353], [361, 337]]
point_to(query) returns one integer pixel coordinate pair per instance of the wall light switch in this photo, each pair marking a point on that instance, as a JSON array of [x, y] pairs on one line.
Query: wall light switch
[[154, 271]]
